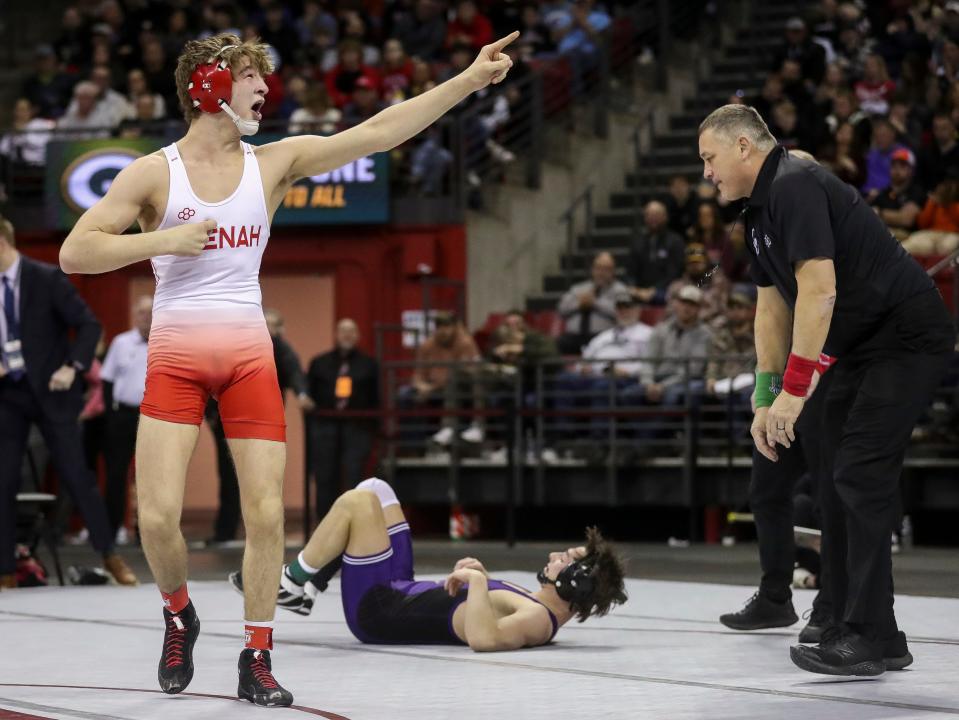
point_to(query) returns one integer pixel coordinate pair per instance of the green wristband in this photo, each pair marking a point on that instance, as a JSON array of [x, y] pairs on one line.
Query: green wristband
[[768, 386]]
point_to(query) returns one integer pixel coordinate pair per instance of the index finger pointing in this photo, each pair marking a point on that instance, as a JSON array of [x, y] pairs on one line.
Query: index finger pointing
[[503, 42]]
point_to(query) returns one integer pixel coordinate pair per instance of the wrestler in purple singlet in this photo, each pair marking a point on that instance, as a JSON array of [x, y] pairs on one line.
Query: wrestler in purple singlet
[[383, 604]]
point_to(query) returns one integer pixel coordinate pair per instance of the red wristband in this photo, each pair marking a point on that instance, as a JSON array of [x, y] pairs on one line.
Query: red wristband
[[798, 375]]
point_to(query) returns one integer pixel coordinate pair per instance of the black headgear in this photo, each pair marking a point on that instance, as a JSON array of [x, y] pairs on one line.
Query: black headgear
[[574, 584]]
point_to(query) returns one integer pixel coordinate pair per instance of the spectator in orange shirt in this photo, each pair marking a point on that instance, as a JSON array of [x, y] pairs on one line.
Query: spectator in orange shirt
[[446, 383], [939, 220]]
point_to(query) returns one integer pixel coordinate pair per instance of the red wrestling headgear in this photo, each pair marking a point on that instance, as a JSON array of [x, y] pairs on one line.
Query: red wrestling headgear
[[211, 85], [211, 89]]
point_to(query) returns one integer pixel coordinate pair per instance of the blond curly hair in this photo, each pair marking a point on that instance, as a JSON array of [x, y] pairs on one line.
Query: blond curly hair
[[198, 52]]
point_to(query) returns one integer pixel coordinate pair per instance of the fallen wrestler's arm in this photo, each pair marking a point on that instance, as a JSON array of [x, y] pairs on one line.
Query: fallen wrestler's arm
[[484, 633]]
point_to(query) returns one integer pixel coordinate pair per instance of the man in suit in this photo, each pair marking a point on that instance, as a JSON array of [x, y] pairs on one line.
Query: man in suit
[[40, 383], [343, 379]]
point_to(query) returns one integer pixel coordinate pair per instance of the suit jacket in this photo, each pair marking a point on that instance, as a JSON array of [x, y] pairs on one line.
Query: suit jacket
[[50, 307], [363, 370], [288, 371]]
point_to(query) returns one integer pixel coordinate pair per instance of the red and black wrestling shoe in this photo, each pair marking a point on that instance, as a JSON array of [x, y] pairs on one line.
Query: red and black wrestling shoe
[[176, 662], [257, 683]]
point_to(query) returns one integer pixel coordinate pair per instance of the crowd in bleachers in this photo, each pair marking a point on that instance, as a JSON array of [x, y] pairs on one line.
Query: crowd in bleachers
[[110, 70], [870, 91]]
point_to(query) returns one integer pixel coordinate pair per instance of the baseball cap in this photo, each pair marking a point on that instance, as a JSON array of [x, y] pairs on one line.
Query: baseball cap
[[904, 155], [625, 300], [690, 293], [795, 23]]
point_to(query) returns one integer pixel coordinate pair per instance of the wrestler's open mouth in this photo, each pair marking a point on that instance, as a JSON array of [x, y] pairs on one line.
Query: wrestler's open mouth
[[256, 109]]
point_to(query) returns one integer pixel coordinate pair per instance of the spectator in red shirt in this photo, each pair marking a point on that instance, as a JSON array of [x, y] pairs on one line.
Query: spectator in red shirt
[[876, 89], [469, 27], [341, 80]]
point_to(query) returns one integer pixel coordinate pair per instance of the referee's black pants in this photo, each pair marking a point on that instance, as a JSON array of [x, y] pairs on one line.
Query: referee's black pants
[[771, 489], [877, 394], [121, 442], [338, 452]]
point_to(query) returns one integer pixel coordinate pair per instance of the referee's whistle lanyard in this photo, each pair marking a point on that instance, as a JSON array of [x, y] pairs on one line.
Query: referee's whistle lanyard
[[727, 241]]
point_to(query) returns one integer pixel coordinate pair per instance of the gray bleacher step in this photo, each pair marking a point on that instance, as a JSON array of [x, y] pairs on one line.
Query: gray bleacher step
[[676, 139], [543, 302], [582, 259], [660, 175], [609, 220], [686, 155]]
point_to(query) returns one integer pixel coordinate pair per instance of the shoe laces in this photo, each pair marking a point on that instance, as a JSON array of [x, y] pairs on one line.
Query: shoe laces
[[751, 600], [830, 635], [261, 672], [173, 650]]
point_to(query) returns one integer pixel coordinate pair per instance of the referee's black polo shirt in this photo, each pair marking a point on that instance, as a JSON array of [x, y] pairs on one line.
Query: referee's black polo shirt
[[798, 211]]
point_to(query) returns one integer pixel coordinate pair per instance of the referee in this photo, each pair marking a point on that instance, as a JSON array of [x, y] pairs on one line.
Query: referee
[[832, 279]]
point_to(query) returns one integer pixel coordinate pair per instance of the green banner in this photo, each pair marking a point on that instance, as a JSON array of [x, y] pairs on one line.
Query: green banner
[[79, 173]]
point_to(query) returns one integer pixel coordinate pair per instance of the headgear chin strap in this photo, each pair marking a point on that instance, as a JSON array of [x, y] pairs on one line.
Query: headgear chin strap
[[574, 584], [211, 89]]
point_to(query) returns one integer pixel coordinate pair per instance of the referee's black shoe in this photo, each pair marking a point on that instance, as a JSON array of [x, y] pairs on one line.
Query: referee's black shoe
[[847, 654], [895, 652], [895, 649], [176, 662], [760, 612], [817, 624], [257, 683]]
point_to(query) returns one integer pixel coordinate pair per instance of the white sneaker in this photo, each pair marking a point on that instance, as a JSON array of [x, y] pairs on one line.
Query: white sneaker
[[498, 456], [473, 434], [80, 538], [443, 437], [499, 153], [549, 456]]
